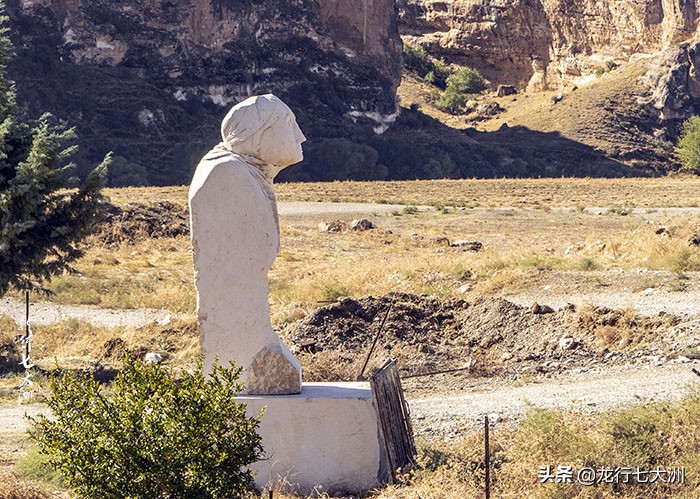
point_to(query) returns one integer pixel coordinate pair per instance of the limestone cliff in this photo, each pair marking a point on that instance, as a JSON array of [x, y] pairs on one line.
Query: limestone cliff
[[545, 43], [151, 79]]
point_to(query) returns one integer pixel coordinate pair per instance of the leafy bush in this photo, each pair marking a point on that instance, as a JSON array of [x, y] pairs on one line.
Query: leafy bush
[[155, 436], [460, 88], [439, 74], [466, 81], [452, 102], [434, 71], [689, 144], [416, 58], [609, 66]]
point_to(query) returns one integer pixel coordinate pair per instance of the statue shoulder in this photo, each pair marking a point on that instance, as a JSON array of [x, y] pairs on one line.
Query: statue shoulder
[[220, 169]]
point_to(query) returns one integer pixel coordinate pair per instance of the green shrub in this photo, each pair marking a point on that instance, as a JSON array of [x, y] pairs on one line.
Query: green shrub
[[439, 74], [155, 436], [689, 144], [466, 81], [460, 89], [452, 102], [416, 58]]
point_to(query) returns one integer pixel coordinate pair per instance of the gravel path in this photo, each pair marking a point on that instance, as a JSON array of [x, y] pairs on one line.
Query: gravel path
[[49, 313], [651, 302], [447, 416], [587, 392]]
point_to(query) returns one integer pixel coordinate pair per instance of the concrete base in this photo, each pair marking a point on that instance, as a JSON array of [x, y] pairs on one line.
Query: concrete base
[[326, 439]]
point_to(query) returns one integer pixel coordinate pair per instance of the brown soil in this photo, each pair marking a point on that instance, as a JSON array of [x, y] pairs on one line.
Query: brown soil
[[135, 222], [490, 336]]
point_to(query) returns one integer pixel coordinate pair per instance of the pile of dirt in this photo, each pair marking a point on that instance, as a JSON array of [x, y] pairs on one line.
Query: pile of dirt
[[490, 336], [136, 222]]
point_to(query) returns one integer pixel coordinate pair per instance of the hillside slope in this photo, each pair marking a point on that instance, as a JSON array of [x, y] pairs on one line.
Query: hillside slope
[[152, 80]]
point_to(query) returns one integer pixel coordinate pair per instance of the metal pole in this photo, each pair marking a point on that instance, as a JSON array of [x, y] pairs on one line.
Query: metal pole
[[487, 459], [374, 343], [26, 324]]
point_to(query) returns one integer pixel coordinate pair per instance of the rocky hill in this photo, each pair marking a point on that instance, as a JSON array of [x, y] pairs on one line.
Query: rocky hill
[[629, 70], [541, 44], [151, 79], [602, 87]]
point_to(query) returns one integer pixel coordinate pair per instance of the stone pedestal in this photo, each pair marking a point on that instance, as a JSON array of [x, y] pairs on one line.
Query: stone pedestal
[[326, 438]]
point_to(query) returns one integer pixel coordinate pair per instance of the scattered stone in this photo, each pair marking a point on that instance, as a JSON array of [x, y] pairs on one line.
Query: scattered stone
[[507, 356], [465, 288], [648, 291], [442, 241], [489, 109], [659, 360], [661, 230], [467, 245], [557, 98], [538, 309], [567, 343], [164, 321], [333, 227], [573, 248], [504, 90], [153, 358], [695, 240], [494, 417], [362, 224]]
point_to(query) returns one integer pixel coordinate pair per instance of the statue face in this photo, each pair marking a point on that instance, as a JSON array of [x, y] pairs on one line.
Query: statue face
[[281, 143]]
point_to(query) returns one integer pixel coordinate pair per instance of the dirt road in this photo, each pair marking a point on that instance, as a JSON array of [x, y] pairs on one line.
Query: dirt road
[[449, 416], [590, 391]]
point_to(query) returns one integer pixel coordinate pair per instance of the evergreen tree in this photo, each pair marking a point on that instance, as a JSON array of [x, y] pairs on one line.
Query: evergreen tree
[[41, 223]]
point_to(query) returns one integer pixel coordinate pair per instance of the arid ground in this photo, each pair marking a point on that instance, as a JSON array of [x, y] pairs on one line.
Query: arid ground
[[581, 296]]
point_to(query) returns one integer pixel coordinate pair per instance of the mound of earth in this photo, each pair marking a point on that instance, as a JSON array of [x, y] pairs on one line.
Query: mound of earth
[[489, 336], [136, 222]]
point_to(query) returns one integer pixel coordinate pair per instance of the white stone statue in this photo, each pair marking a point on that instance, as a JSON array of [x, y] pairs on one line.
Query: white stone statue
[[235, 238]]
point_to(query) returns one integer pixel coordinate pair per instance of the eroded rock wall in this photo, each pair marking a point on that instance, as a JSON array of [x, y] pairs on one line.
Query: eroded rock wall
[[545, 43], [166, 68]]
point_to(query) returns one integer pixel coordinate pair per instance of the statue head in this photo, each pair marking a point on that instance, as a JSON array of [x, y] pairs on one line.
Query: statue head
[[264, 128]]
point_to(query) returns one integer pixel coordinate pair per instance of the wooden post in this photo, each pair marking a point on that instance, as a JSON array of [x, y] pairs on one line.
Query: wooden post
[[487, 460]]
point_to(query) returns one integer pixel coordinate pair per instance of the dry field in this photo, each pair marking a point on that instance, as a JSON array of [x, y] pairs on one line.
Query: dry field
[[569, 236], [678, 191]]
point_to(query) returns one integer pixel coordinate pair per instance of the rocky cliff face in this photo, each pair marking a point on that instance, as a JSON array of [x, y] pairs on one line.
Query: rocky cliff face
[[545, 43], [151, 79]]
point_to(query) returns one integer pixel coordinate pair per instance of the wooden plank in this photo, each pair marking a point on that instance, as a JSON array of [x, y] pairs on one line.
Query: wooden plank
[[394, 418]]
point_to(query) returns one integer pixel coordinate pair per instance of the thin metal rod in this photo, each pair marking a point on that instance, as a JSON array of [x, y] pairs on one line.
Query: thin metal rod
[[374, 343], [26, 324], [487, 458]]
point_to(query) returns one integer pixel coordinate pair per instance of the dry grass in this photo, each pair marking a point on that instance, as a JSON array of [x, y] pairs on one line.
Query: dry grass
[[405, 253], [155, 274], [652, 436], [13, 486], [575, 193], [549, 232]]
